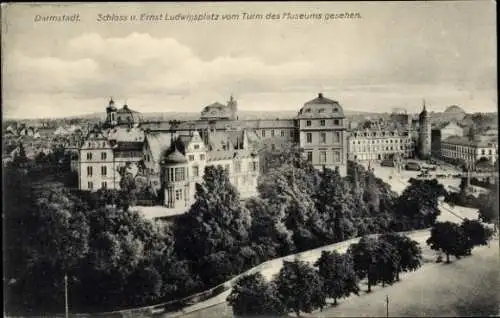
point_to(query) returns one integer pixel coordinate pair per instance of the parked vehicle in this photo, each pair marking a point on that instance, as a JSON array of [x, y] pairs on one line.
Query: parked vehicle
[[412, 166], [387, 163]]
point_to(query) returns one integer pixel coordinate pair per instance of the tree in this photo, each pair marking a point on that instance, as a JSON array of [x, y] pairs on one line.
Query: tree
[[300, 287], [216, 222], [338, 275], [20, 156], [268, 232], [409, 252], [488, 210], [387, 262], [419, 202], [449, 238], [253, 295], [364, 256], [477, 233]]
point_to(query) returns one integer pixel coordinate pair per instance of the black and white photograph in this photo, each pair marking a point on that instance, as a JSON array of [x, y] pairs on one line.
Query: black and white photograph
[[250, 159]]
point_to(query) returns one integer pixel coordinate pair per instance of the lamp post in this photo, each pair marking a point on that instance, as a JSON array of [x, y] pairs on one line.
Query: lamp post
[[387, 305], [66, 311]]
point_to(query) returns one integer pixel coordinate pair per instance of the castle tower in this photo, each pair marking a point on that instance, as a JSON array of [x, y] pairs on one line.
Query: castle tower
[[424, 134], [233, 106], [111, 114]]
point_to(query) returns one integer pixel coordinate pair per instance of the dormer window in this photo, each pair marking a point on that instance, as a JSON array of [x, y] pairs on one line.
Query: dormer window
[[335, 109], [321, 110], [308, 110]]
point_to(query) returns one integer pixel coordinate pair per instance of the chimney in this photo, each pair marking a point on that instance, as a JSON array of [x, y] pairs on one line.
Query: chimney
[[320, 95]]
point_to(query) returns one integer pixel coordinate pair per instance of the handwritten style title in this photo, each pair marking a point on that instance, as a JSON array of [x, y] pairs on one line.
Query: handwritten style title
[[244, 16]]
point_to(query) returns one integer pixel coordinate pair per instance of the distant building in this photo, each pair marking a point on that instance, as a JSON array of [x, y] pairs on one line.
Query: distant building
[[454, 113], [441, 132], [379, 143], [323, 134], [469, 152], [218, 111]]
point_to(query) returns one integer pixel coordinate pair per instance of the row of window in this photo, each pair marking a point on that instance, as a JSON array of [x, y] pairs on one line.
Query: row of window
[[378, 148], [465, 149], [322, 122], [282, 133], [96, 144], [104, 171], [374, 134], [104, 156], [90, 185], [322, 156], [181, 173], [381, 141], [322, 137], [192, 157]]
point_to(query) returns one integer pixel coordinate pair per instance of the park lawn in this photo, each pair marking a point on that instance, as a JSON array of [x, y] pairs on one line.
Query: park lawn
[[466, 287]]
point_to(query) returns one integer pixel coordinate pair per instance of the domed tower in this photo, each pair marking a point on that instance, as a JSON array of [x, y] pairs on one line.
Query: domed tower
[[111, 113], [175, 179], [424, 134], [233, 107]]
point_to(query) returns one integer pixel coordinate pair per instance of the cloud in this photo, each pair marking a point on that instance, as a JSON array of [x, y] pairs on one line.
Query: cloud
[[146, 68]]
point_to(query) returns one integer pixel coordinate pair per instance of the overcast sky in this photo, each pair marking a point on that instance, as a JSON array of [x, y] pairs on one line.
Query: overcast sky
[[395, 55]]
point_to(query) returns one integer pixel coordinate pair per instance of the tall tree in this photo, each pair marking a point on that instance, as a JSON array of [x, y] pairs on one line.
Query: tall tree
[[419, 202], [216, 221], [477, 233], [254, 296], [409, 251], [488, 210], [364, 256], [449, 238], [300, 287], [337, 272]]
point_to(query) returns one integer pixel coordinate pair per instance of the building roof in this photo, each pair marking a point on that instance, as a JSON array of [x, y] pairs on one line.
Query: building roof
[[175, 157], [128, 146], [159, 144], [454, 109], [321, 100], [321, 107], [228, 154], [123, 134], [456, 140]]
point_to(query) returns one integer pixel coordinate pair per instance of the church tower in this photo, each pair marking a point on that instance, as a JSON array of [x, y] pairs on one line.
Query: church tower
[[111, 114], [233, 107], [424, 134]]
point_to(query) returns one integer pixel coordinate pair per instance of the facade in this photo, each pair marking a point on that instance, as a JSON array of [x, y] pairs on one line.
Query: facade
[[424, 134], [218, 111], [172, 156], [441, 132], [96, 163], [469, 152], [322, 133], [380, 143]]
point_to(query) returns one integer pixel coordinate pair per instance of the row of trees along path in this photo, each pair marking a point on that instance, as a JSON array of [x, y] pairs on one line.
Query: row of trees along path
[[300, 287]]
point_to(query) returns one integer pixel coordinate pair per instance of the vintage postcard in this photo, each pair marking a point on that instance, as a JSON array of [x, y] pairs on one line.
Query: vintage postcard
[[234, 159]]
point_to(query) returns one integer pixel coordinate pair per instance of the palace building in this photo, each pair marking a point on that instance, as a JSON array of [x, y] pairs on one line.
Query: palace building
[[171, 156]]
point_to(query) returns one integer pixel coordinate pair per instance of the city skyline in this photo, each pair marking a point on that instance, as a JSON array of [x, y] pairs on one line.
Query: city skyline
[[394, 56]]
